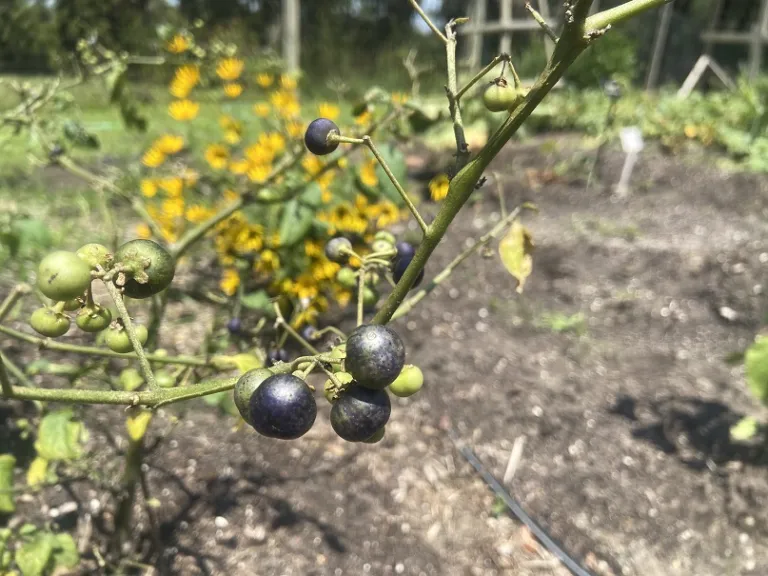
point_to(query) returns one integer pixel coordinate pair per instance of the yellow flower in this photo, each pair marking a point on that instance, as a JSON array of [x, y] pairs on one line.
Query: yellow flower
[[312, 165], [183, 110], [438, 187], [230, 196], [197, 214], [259, 154], [264, 80], [148, 188], [368, 174], [273, 141], [389, 215], [268, 261], [285, 103], [185, 78], [239, 166], [342, 297], [261, 109], [342, 163], [232, 137], [288, 82], [328, 110], [229, 69], [259, 173], [399, 97], [233, 89], [363, 119], [233, 130], [178, 44], [230, 281], [173, 208], [143, 231], [153, 158], [313, 248], [306, 316], [169, 144], [172, 186], [295, 129], [217, 156], [326, 196]]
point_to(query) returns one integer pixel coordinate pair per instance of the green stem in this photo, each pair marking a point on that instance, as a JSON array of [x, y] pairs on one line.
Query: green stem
[[18, 291], [427, 21], [5, 383], [295, 335], [48, 344], [186, 241], [480, 75], [462, 149], [332, 330], [403, 194], [360, 296], [146, 368], [602, 20], [412, 301], [541, 22]]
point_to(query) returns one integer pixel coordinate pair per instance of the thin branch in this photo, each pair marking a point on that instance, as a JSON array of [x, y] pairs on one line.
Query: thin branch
[[428, 22], [602, 20], [543, 23], [409, 304], [18, 291], [454, 107], [5, 383], [360, 296], [146, 368], [48, 344], [289, 329], [480, 75]]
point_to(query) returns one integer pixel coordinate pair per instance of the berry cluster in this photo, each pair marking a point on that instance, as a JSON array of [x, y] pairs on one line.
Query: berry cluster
[[140, 268], [361, 370]]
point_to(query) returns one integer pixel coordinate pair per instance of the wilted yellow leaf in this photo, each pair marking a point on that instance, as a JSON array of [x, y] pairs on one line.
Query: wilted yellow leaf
[[137, 424], [516, 250]]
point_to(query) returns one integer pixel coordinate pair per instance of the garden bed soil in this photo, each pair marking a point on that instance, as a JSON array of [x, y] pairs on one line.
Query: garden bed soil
[[625, 414]]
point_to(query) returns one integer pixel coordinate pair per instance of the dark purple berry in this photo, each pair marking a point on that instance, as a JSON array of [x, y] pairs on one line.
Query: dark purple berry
[[316, 137], [375, 356], [234, 326], [275, 356], [308, 333], [283, 407], [405, 250], [405, 253], [359, 413]]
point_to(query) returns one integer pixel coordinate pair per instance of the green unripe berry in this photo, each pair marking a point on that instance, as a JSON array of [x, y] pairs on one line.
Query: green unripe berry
[[382, 246], [72, 305], [245, 387], [500, 96], [347, 278], [410, 381], [164, 379], [370, 297], [117, 338], [63, 276], [386, 236], [377, 437], [93, 319], [339, 351], [49, 323], [95, 255]]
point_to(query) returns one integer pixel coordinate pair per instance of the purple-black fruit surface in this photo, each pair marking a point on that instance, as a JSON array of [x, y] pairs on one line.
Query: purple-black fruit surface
[[399, 265], [359, 413], [308, 333], [282, 407], [375, 356], [234, 326], [275, 356], [316, 137], [405, 250]]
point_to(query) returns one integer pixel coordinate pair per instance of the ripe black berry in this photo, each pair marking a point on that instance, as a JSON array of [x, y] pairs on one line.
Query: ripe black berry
[[282, 407], [360, 413], [275, 356], [316, 136], [405, 253], [234, 326], [375, 356]]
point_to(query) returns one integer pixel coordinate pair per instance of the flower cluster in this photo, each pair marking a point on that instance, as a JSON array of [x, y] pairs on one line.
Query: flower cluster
[[184, 187]]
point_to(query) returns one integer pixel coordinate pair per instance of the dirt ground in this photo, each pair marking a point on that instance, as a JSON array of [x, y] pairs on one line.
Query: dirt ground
[[627, 459]]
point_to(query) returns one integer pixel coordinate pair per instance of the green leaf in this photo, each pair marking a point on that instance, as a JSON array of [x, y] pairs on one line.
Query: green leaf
[[295, 222], [7, 504], [115, 81], [130, 379], [27, 530], [215, 399], [37, 471], [312, 196], [33, 557], [246, 362], [256, 300], [396, 162], [515, 250], [756, 365], [65, 552], [744, 429], [28, 234], [60, 437]]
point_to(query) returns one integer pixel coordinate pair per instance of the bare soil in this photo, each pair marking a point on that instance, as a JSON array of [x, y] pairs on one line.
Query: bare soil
[[627, 458]]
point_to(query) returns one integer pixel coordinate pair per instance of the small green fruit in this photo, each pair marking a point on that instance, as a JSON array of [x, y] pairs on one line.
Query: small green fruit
[[165, 379], [337, 249], [158, 263], [382, 246], [347, 278], [370, 297], [95, 255], [245, 387], [377, 437], [94, 319], [340, 352], [118, 341], [63, 276], [500, 96], [386, 236], [72, 305], [410, 381], [49, 323]]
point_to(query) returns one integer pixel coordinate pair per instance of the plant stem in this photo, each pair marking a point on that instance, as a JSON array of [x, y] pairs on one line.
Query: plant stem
[[543, 23], [360, 296], [48, 344], [18, 291], [602, 20], [5, 383], [479, 76], [412, 301], [403, 194], [462, 150], [289, 329], [427, 21], [146, 368]]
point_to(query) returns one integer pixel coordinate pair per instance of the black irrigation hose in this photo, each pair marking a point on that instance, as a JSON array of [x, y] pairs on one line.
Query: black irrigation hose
[[549, 543]]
